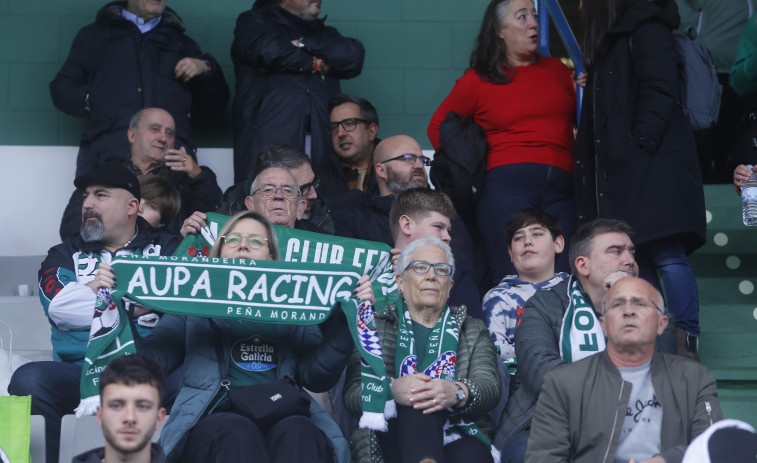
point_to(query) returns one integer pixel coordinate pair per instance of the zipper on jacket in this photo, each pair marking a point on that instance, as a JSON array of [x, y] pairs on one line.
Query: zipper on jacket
[[708, 409], [614, 421]]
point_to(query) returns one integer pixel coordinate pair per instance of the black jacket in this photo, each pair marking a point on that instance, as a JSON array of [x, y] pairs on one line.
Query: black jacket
[[368, 219], [278, 96], [113, 70], [97, 455], [635, 157]]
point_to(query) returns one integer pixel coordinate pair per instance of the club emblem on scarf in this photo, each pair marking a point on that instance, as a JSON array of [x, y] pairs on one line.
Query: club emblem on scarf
[[443, 367], [106, 315], [409, 366], [367, 335]]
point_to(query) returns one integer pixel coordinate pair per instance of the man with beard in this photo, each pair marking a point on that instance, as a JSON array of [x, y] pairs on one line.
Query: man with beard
[[69, 280], [129, 412], [151, 135], [400, 166]]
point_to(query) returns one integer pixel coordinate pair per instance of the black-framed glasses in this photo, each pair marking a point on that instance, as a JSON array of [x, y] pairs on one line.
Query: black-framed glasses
[[348, 125], [421, 267], [305, 188], [233, 240], [408, 158], [269, 191]]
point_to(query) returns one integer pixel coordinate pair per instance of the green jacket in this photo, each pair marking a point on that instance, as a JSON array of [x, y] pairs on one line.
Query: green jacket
[[582, 406], [719, 23], [476, 361], [743, 77]]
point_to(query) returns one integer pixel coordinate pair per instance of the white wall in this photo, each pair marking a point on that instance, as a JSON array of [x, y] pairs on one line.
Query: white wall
[[37, 184]]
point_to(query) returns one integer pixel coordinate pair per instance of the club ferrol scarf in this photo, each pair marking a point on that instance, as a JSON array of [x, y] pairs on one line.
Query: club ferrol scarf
[[367, 257], [580, 335], [242, 289], [439, 362]]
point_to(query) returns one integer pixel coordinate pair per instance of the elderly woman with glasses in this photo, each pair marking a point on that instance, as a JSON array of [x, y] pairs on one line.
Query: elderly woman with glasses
[[203, 425], [441, 365]]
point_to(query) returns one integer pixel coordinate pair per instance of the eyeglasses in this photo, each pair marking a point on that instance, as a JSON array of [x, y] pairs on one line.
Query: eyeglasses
[[233, 240], [305, 189], [421, 267], [408, 158], [348, 125], [638, 303], [269, 191]]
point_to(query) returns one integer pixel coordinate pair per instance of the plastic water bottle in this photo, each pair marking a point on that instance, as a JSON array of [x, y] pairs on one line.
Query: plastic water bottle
[[749, 201]]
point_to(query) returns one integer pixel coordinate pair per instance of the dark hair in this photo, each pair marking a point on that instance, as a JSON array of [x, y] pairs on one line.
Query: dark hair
[[280, 155], [531, 216], [160, 191], [417, 203], [580, 244], [599, 16], [132, 370], [489, 57], [273, 243], [367, 111]]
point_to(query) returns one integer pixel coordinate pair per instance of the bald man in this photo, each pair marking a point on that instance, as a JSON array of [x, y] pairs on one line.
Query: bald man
[[399, 166], [638, 406]]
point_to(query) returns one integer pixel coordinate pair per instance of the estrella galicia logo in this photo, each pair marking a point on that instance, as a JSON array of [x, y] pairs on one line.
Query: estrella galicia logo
[[254, 354]]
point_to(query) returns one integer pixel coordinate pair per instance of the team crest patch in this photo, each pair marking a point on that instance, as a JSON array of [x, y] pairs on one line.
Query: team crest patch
[[408, 366], [106, 316], [443, 367], [368, 338], [254, 354]]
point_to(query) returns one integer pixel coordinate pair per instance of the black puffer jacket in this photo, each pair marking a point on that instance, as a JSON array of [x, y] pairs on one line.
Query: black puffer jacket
[[635, 157], [122, 71], [278, 97]]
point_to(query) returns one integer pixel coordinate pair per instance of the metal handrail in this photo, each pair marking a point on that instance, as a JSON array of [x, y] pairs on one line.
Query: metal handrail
[[554, 11]]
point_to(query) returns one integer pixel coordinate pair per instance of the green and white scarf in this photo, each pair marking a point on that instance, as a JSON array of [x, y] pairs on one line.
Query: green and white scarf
[[242, 289], [580, 335], [439, 362]]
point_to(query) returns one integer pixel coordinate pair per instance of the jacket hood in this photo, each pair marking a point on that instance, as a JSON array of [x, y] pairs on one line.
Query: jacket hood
[[111, 13], [664, 11]]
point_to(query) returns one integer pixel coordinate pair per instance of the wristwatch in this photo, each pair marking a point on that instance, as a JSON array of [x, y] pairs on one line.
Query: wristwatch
[[460, 395]]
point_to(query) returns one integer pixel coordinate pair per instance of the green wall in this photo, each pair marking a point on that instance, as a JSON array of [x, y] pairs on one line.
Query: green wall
[[415, 49]]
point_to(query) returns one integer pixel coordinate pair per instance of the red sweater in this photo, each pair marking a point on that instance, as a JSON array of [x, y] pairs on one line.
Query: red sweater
[[528, 120]]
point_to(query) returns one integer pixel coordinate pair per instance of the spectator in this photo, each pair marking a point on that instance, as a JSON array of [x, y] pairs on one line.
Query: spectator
[[151, 138], [69, 280], [203, 427], [130, 412], [400, 166], [160, 201], [288, 65], [719, 24], [448, 376], [535, 240], [135, 55], [316, 217], [637, 405], [354, 128], [274, 194], [561, 325], [635, 151], [527, 105]]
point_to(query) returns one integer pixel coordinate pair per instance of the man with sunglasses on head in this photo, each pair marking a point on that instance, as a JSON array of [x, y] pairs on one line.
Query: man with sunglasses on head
[[354, 125]]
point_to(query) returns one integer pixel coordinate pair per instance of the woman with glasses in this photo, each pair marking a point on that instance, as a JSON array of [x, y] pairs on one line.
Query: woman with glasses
[[526, 103], [203, 427], [441, 365]]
